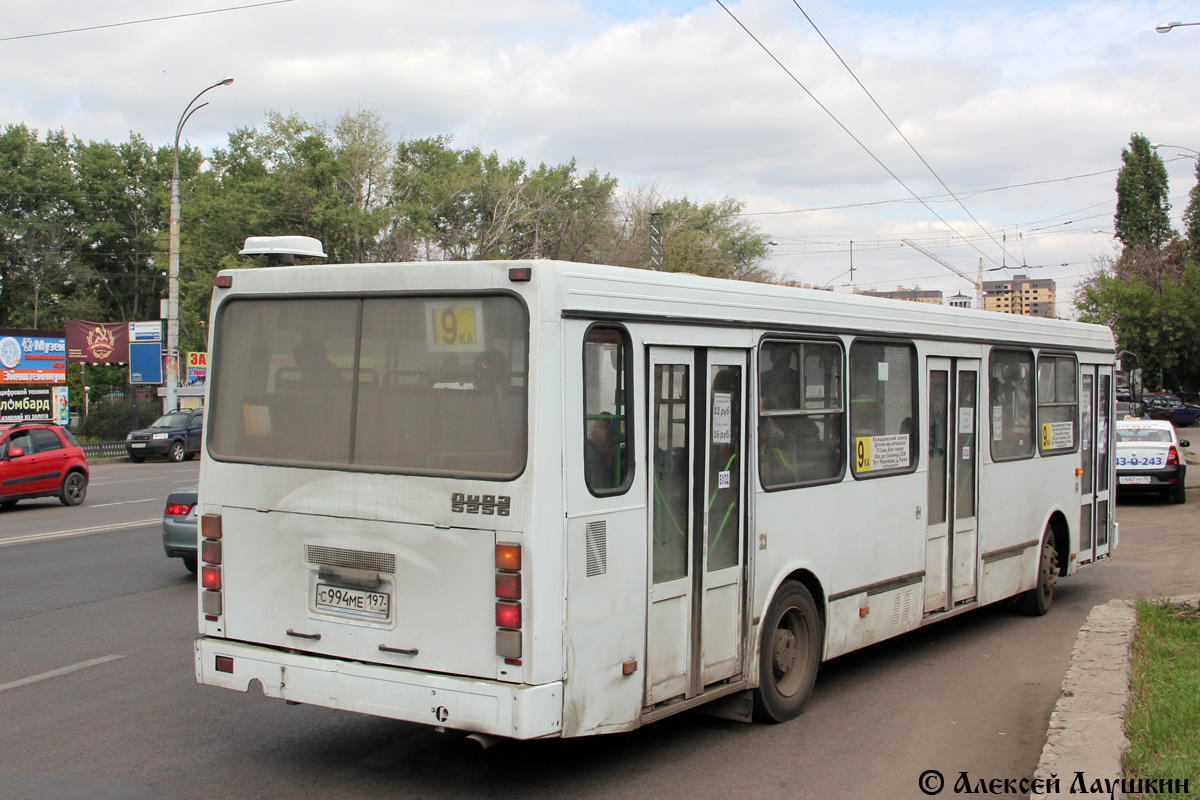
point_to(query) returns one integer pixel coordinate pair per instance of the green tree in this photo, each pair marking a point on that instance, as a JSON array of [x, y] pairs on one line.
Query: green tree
[[1143, 209], [1191, 218]]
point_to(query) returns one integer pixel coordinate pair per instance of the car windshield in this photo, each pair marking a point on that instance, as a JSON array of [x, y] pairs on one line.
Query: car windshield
[[173, 420]]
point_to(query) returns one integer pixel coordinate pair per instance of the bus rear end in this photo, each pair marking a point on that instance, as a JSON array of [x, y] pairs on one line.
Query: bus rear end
[[363, 498]]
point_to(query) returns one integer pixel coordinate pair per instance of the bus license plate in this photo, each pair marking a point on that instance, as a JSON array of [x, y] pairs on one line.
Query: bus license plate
[[356, 601], [1133, 479]]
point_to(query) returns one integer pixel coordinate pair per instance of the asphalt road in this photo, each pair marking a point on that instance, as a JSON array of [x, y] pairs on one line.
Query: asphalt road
[[98, 700]]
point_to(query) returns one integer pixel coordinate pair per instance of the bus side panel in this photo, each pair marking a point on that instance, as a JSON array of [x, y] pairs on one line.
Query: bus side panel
[[1014, 509], [848, 544], [606, 551]]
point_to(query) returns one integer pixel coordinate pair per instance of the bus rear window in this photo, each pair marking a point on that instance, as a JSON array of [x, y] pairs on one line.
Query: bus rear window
[[428, 385]]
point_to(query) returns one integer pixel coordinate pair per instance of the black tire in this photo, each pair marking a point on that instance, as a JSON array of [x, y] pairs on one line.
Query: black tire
[[1179, 495], [789, 654], [190, 563], [74, 489], [7, 503], [177, 451], [1037, 601], [137, 459]]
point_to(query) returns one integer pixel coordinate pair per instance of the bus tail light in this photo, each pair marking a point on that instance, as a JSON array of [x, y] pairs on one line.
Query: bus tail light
[[508, 610], [508, 615], [210, 574], [508, 585], [210, 577], [508, 556]]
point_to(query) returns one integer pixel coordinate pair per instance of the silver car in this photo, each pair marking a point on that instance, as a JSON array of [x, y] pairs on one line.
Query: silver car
[[179, 526], [1150, 458]]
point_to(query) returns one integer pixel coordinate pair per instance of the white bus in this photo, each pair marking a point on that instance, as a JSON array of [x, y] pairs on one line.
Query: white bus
[[544, 499]]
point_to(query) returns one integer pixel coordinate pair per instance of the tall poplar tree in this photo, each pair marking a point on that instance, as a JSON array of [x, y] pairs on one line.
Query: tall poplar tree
[[1143, 208]]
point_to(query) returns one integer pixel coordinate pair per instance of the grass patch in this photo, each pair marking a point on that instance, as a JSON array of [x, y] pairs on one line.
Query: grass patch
[[1162, 722]]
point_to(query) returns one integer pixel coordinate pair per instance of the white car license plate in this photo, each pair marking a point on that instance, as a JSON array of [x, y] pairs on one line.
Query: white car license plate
[[137, 444], [1133, 479], [356, 601]]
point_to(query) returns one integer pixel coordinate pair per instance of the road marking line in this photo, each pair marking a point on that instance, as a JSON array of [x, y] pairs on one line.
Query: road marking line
[[56, 672], [45, 537], [123, 503]]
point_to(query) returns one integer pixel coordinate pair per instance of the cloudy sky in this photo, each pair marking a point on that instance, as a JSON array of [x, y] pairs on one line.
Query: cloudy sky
[[1019, 108]]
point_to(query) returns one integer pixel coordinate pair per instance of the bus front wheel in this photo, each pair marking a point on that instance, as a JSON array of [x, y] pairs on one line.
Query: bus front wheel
[[1036, 601], [789, 653]]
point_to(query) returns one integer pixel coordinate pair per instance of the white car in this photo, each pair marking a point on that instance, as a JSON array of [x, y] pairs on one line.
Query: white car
[[1150, 458]]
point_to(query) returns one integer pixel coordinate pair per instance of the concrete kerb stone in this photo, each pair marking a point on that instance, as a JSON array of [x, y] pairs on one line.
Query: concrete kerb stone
[[1087, 729]]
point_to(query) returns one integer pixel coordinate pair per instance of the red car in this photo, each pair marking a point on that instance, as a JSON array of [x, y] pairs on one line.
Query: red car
[[40, 459]]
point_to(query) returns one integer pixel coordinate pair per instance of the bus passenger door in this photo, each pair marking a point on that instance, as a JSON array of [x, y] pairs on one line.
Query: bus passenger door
[[697, 518], [952, 531], [1095, 385]]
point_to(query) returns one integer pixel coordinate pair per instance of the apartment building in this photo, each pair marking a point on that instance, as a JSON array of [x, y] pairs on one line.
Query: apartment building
[[1020, 295]]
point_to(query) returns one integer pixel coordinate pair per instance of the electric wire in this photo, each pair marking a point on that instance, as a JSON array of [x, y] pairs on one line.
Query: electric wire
[[140, 21], [842, 125], [896, 127]]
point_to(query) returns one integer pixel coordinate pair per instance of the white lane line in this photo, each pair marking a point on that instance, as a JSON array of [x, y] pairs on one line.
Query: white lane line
[[45, 537], [56, 672], [124, 502]]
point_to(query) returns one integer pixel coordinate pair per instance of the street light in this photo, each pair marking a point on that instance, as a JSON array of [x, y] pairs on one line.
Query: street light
[[1165, 27], [171, 396], [1157, 145]]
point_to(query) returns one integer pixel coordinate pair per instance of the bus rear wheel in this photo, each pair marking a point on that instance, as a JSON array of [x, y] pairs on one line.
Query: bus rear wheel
[[789, 654], [1036, 601]]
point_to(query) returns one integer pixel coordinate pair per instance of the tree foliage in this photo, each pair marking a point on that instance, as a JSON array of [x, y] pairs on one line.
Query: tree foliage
[[84, 225], [1150, 293]]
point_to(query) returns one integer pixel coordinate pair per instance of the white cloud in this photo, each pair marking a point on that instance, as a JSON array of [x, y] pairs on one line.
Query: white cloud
[[991, 94]]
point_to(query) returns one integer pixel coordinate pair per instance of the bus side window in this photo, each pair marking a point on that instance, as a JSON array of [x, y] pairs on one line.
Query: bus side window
[[1058, 405], [607, 424], [801, 414], [1011, 400], [883, 405]]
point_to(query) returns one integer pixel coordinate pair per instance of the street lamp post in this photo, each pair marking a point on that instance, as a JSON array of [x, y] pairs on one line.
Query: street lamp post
[[1165, 27], [171, 396], [1156, 145]]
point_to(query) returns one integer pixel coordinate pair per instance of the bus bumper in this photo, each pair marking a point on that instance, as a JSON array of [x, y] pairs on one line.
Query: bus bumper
[[469, 704]]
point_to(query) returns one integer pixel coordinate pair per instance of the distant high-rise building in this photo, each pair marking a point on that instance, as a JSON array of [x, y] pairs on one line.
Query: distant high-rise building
[[1021, 295]]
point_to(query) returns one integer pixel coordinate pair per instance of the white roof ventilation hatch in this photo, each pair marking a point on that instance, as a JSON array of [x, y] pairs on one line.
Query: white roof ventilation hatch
[[282, 251]]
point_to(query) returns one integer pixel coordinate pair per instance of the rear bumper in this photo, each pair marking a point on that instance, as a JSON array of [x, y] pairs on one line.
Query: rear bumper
[[1161, 480], [500, 709]]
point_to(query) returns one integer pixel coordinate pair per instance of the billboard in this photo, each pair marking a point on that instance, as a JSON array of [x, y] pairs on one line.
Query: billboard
[[21, 403], [38, 357], [97, 342]]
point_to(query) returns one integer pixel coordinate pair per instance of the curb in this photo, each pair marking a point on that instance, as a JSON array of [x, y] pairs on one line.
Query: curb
[[1087, 728]]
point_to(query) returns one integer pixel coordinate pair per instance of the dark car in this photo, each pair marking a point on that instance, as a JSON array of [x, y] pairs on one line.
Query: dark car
[[41, 459], [175, 435], [1160, 405], [179, 526]]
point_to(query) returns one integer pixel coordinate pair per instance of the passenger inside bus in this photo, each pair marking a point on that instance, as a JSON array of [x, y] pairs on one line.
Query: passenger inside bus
[[602, 453]]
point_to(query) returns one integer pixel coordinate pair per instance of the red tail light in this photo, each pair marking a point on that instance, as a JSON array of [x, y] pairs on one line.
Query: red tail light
[[178, 509], [1172, 457], [508, 585], [210, 578], [508, 615]]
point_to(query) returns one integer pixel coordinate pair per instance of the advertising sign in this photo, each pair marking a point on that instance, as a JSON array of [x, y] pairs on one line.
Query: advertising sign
[[97, 342], [197, 367], [32, 357], [21, 403]]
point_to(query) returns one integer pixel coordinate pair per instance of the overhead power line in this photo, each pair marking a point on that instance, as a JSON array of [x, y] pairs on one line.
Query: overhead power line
[[141, 21]]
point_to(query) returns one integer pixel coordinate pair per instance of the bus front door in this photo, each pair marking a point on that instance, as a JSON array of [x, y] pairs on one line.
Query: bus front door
[[695, 625], [952, 532], [1095, 475]]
